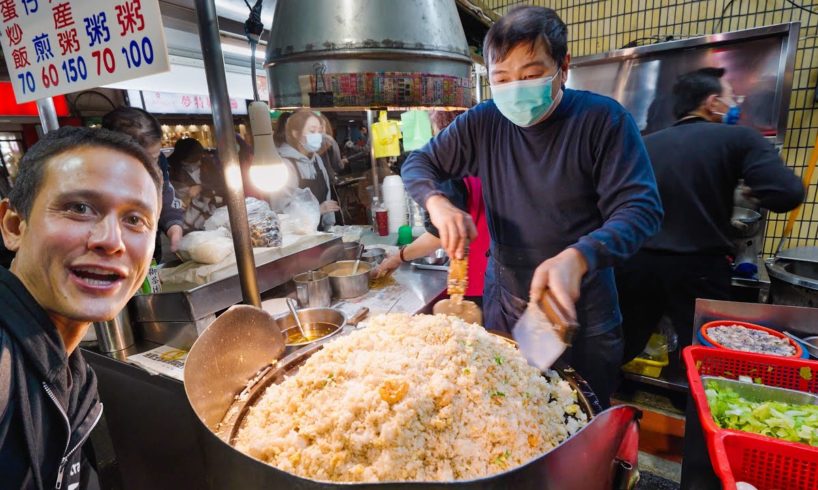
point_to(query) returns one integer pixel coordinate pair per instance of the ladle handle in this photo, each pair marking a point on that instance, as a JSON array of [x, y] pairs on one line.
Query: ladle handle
[[358, 316], [291, 304]]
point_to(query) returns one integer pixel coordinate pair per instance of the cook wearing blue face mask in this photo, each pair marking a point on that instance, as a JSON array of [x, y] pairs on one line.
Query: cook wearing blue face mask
[[567, 185], [698, 163]]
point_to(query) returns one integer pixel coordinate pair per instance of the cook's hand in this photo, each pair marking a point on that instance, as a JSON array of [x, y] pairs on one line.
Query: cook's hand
[[175, 233], [561, 274], [455, 226], [387, 267], [329, 207], [344, 163]]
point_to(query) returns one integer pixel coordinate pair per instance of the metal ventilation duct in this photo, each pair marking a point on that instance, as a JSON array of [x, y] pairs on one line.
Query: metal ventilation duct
[[377, 52]]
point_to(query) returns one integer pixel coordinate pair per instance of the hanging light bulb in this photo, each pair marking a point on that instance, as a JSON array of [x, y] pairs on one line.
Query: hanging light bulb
[[269, 172]]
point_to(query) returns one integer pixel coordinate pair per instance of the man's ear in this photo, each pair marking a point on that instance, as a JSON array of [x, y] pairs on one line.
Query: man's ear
[[12, 226], [710, 102], [566, 63]]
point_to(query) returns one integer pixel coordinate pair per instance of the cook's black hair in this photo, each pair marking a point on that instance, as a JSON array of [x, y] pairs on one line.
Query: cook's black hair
[[136, 123], [527, 25], [32, 165], [691, 89]]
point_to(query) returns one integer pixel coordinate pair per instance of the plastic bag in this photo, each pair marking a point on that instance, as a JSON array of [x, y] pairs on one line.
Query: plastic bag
[[417, 129], [386, 137], [303, 212], [206, 247], [265, 230]]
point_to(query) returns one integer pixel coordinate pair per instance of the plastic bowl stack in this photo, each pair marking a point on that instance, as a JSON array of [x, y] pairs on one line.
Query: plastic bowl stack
[[394, 198]]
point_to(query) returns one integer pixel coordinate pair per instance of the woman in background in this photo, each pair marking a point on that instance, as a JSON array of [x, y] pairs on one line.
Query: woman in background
[[304, 135], [196, 183]]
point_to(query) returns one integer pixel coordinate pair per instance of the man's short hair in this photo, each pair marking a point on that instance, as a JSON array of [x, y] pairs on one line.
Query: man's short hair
[[691, 89], [527, 25], [136, 123], [32, 165]]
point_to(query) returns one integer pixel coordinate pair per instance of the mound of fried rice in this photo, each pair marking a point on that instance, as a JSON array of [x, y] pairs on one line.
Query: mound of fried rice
[[421, 398]]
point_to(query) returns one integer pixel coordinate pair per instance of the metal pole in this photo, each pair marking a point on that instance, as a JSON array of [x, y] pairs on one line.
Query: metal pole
[[48, 114], [226, 144], [376, 187], [478, 86]]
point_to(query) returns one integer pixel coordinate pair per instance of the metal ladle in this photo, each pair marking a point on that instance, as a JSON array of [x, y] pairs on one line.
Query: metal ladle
[[358, 259], [292, 306]]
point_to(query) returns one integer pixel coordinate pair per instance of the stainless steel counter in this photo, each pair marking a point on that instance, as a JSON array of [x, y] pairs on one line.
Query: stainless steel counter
[[409, 291]]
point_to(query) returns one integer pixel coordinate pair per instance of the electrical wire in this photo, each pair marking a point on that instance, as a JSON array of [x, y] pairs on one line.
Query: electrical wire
[[798, 6], [656, 39], [794, 4], [253, 28], [720, 22]]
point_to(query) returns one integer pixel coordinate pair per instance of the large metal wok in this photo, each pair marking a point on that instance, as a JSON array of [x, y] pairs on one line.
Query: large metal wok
[[234, 360]]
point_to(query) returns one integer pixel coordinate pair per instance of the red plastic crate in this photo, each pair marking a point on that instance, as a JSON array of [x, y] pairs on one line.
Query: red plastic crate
[[765, 462]]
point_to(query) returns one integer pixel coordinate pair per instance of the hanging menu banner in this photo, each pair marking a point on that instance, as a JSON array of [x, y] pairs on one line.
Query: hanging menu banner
[[55, 47]]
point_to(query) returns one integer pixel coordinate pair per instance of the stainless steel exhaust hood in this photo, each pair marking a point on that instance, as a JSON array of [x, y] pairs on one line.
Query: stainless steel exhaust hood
[[362, 53]]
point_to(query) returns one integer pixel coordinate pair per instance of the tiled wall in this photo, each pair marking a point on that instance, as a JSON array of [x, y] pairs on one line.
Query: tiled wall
[[604, 25]]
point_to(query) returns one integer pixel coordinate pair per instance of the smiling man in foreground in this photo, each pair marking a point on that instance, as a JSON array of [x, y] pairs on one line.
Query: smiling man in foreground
[[82, 219]]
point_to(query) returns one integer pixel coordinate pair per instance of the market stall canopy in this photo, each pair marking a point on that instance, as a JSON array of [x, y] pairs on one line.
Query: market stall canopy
[[363, 53]]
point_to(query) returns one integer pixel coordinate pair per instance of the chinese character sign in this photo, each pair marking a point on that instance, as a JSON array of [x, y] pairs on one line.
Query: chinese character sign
[[54, 47]]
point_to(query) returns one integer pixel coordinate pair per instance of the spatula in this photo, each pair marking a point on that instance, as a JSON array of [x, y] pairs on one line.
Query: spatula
[[543, 332]]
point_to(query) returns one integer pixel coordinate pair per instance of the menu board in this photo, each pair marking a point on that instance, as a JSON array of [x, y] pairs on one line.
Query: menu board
[[55, 47]]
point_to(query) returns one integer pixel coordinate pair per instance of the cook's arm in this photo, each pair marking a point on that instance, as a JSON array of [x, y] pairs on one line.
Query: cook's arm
[[451, 154], [775, 185], [628, 197]]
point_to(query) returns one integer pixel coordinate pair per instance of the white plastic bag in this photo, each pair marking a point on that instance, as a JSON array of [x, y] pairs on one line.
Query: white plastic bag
[[304, 212], [264, 226], [206, 247]]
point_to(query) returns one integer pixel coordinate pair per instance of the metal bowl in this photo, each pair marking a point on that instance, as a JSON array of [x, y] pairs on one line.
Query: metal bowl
[[438, 257], [813, 351], [318, 324], [344, 283], [374, 255]]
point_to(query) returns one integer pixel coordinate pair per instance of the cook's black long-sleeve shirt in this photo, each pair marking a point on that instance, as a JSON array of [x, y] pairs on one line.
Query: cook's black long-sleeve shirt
[[581, 178], [698, 165]]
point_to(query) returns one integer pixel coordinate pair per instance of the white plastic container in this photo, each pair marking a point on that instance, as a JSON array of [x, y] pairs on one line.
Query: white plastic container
[[394, 198]]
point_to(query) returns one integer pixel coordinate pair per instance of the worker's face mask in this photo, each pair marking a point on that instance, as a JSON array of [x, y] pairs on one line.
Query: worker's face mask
[[313, 141], [525, 102]]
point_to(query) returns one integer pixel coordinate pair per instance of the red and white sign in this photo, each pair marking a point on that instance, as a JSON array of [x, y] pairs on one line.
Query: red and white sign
[[55, 47], [171, 103]]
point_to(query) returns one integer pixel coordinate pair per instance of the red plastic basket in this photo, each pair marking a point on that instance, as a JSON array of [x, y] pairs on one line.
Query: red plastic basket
[[765, 462]]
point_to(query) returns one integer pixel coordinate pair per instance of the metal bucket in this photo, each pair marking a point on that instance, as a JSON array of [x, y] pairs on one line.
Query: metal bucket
[[115, 334], [313, 289], [794, 277], [344, 283], [603, 450]]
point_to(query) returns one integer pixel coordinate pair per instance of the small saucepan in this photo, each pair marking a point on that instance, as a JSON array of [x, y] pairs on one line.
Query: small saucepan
[[344, 283]]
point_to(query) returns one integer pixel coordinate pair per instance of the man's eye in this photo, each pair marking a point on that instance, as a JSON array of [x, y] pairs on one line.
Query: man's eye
[[79, 208], [134, 220]]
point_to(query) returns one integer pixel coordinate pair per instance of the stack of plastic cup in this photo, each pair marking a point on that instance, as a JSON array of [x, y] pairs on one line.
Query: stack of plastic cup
[[394, 198]]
